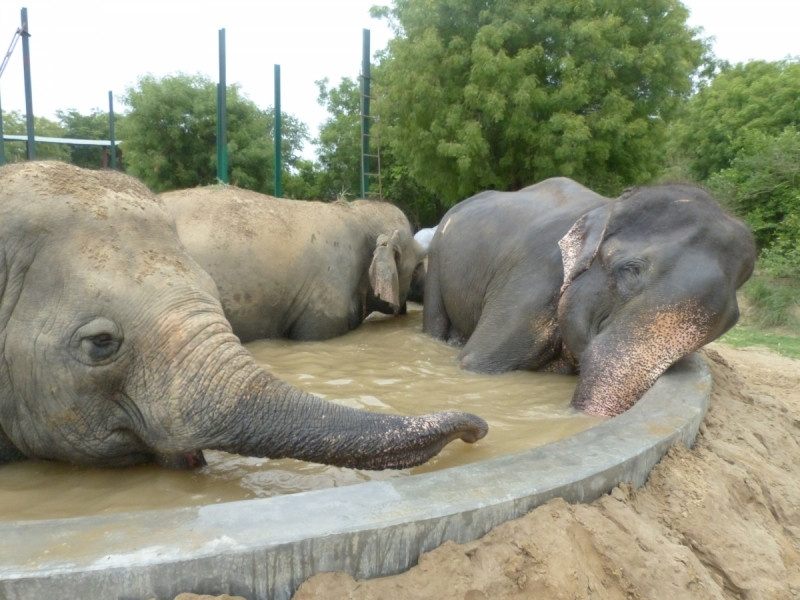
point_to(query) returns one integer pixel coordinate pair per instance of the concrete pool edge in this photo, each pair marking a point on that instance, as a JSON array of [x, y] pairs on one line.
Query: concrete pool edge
[[265, 548]]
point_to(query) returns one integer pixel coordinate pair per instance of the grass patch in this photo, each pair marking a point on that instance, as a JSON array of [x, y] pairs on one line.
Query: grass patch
[[770, 315], [743, 336]]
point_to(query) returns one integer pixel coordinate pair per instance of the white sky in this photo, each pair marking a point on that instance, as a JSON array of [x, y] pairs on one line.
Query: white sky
[[82, 49]]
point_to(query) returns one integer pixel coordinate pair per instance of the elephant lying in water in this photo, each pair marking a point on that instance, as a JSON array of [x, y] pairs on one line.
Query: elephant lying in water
[[115, 349], [556, 277], [297, 269]]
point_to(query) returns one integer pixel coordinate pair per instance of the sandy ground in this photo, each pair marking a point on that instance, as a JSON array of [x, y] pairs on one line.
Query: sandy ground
[[719, 520]]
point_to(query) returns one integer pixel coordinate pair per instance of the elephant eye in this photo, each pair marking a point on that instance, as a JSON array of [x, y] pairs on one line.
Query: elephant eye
[[629, 274], [100, 347], [96, 342]]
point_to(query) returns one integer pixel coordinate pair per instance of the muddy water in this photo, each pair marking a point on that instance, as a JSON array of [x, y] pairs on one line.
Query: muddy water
[[387, 365]]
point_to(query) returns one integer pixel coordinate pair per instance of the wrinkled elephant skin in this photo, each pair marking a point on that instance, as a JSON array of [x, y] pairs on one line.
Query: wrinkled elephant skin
[[557, 278], [297, 269], [115, 349]]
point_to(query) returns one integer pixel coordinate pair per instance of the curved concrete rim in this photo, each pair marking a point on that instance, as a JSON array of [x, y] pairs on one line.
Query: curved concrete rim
[[266, 548]]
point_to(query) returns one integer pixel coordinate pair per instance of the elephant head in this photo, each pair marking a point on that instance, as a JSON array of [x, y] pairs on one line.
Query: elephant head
[[383, 276], [394, 263], [648, 279], [115, 349]]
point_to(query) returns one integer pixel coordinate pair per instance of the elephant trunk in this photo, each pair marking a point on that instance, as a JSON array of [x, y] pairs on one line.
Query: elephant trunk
[[620, 364], [255, 414]]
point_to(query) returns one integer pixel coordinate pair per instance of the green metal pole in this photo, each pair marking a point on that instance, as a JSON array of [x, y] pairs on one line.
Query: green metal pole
[[365, 114], [26, 65], [278, 134], [111, 130], [222, 112]]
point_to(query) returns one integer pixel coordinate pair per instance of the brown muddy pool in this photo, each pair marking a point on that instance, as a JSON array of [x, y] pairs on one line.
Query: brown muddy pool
[[386, 365]]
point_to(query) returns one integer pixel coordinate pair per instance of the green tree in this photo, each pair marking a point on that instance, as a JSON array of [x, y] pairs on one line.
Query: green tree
[[339, 156], [170, 136], [339, 141], [762, 185], [14, 123], [94, 126], [755, 96], [475, 94]]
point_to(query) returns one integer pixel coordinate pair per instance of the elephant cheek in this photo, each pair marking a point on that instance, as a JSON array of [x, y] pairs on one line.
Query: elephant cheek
[[619, 366]]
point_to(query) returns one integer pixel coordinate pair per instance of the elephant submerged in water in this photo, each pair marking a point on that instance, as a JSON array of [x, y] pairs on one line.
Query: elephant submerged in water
[[557, 278], [115, 349], [297, 269]]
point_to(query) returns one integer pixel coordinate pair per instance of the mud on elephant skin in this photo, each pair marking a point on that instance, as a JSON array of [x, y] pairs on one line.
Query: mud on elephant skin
[[297, 269], [115, 349], [555, 277]]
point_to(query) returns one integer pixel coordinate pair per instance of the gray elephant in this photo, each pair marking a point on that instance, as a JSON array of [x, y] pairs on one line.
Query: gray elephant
[[555, 277], [297, 269], [115, 349]]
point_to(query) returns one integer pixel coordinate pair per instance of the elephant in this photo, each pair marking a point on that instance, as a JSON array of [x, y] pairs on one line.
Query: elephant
[[555, 277], [116, 351], [417, 291], [297, 269]]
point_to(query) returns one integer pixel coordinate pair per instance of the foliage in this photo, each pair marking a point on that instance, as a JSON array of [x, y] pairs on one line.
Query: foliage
[[339, 142], [762, 185], [755, 96], [339, 157], [14, 123], [773, 301], [170, 136], [94, 126], [475, 94]]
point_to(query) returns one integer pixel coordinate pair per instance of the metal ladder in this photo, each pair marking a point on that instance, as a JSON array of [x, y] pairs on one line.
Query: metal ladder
[[370, 160]]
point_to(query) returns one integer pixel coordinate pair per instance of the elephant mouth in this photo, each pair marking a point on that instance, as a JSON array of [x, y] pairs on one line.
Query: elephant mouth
[[181, 460]]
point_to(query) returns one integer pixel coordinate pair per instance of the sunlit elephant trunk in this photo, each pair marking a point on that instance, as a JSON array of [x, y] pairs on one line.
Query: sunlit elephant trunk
[[620, 364]]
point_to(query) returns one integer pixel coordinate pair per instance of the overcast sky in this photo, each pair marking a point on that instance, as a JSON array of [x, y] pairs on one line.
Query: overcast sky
[[82, 49]]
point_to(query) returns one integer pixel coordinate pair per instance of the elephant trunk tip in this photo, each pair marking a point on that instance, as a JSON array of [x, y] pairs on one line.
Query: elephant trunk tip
[[423, 438], [599, 409], [473, 428], [598, 399]]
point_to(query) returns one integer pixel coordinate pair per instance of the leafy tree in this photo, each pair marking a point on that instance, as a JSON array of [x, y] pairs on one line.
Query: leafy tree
[[339, 155], [755, 96], [170, 136], [14, 123], [339, 142], [94, 126], [762, 185], [501, 94]]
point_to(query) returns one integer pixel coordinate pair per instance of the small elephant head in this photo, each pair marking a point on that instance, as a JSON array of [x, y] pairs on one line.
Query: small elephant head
[[394, 261], [648, 279]]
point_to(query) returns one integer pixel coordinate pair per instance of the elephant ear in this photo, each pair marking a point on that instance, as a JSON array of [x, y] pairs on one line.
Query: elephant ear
[[582, 242], [383, 276]]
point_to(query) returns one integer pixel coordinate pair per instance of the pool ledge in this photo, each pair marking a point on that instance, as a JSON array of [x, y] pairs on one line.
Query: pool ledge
[[264, 549]]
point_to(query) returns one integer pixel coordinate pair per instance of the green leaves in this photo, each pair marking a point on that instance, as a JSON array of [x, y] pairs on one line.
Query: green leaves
[[339, 141], [502, 94], [754, 96], [171, 130]]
